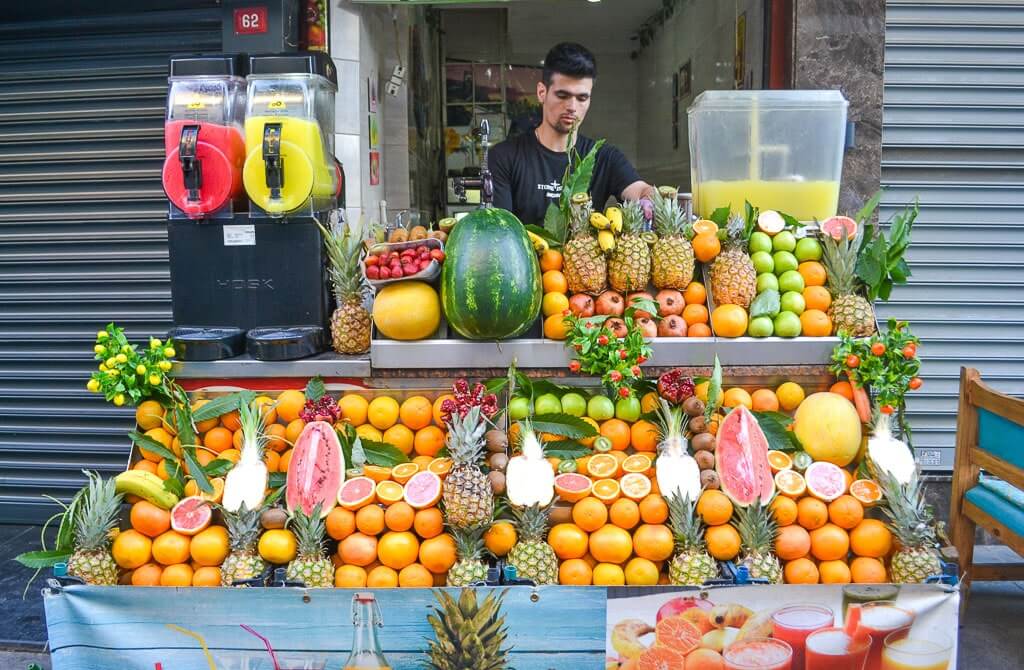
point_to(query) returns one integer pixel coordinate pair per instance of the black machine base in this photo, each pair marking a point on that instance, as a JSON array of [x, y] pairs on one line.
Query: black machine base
[[286, 343], [203, 343]]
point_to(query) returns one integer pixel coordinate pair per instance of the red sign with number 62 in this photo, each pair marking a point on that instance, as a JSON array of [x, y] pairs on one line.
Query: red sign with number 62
[[249, 20]]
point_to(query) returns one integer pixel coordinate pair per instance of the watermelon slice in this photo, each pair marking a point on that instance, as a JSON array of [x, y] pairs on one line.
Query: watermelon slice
[[191, 515], [825, 481], [741, 459], [316, 470], [836, 225]]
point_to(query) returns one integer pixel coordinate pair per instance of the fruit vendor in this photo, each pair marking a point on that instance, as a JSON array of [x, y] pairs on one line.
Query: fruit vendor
[[528, 168]]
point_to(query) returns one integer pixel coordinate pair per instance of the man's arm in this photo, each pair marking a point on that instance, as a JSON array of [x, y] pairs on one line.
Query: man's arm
[[637, 190], [500, 164]]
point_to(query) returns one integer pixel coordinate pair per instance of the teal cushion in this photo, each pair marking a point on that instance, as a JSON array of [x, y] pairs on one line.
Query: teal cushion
[[1004, 490], [998, 507], [1001, 437]]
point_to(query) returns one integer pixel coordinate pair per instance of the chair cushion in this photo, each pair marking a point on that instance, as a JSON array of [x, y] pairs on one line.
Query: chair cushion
[[1003, 489], [1000, 437], [998, 507]]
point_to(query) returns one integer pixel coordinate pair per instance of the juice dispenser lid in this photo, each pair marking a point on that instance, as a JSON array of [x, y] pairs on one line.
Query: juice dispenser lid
[[198, 65], [771, 99], [302, 62]]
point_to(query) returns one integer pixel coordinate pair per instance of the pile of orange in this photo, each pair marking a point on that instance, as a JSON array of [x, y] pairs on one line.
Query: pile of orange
[[154, 555]]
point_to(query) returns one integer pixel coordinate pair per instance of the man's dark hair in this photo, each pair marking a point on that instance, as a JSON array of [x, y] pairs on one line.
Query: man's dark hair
[[569, 59]]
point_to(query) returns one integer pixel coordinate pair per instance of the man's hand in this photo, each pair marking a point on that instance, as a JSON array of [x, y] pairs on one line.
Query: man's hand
[[638, 190]]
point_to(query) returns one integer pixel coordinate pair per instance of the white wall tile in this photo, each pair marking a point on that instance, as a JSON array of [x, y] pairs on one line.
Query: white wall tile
[[346, 147], [348, 114], [344, 31]]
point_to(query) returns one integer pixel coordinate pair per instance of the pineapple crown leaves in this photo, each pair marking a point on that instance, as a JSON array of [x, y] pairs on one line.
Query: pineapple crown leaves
[[97, 513], [243, 527], [669, 421], [687, 528], [669, 217], [734, 230], [309, 531], [469, 541], [466, 436], [911, 520], [532, 522], [345, 250], [757, 527], [468, 633], [632, 217]]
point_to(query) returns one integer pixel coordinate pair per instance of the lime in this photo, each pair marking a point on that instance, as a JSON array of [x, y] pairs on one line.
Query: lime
[[763, 262], [792, 301], [808, 249], [547, 404], [760, 242], [628, 409], [791, 280], [787, 324], [574, 404], [784, 262], [761, 326], [600, 408], [767, 281], [784, 241], [518, 408]]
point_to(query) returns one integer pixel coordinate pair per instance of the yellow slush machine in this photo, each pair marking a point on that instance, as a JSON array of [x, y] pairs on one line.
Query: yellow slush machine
[[290, 167]]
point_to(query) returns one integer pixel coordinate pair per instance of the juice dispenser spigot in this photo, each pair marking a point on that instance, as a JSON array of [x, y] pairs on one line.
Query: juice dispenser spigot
[[272, 158], [191, 166]]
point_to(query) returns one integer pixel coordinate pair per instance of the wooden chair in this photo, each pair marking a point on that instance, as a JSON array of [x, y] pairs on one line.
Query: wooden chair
[[990, 437]]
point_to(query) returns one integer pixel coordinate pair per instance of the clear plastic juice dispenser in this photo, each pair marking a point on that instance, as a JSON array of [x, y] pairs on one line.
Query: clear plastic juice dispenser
[[780, 150], [289, 134], [203, 140]]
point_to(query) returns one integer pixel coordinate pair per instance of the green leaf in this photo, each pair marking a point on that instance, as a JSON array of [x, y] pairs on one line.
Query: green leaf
[[564, 425], [195, 470], [555, 223], [66, 531], [721, 216], [714, 390], [791, 221], [149, 444], [218, 467], [42, 559], [544, 234], [315, 389], [784, 419], [869, 207], [276, 480], [544, 386], [776, 433], [565, 449], [358, 459], [383, 454], [767, 303], [183, 422], [579, 179], [175, 486], [217, 407]]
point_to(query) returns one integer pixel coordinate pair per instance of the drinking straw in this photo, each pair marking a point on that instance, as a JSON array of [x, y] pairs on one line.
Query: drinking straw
[[198, 638], [270, 649]]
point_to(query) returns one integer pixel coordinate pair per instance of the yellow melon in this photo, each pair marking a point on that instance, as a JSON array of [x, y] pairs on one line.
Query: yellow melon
[[408, 310], [828, 427]]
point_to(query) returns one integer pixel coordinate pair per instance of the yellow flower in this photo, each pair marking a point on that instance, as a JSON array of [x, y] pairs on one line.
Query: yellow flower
[[155, 343]]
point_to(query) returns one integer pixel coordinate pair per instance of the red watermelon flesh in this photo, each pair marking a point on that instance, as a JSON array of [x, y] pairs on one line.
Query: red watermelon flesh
[[741, 459], [316, 470]]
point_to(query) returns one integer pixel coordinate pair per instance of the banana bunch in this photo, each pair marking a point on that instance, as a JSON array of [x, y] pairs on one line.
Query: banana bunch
[[540, 245], [607, 225], [145, 485]]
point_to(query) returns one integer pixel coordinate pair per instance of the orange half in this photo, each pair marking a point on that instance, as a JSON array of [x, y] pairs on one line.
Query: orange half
[[440, 467], [635, 486], [779, 460], [403, 472], [866, 492], [389, 492], [606, 490], [705, 226], [637, 463], [790, 483], [602, 466], [377, 473]]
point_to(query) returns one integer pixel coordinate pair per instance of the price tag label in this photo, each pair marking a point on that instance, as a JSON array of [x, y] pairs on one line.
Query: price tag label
[[928, 457], [250, 20], [239, 236]]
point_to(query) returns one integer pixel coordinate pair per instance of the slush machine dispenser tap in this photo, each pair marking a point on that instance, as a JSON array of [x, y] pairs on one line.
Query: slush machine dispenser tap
[[191, 167], [274, 167]]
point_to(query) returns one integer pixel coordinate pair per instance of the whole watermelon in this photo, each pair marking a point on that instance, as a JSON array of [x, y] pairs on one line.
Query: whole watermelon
[[490, 280]]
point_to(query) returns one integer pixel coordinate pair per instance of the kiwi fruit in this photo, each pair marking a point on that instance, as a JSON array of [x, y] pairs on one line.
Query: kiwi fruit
[[274, 518], [693, 406], [698, 425], [709, 479], [497, 482], [705, 459], [498, 461], [703, 442], [497, 440]]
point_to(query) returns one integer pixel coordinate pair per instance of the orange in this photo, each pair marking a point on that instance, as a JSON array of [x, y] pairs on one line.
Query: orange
[[624, 513], [574, 494], [177, 575], [399, 516], [801, 571], [813, 273], [401, 437], [148, 466], [147, 575], [554, 282], [641, 572], [735, 397], [389, 493], [865, 570], [237, 439], [677, 633], [790, 396], [811, 513], [293, 430], [340, 523], [640, 463], [792, 542], [568, 540], [429, 441], [440, 467], [835, 572], [648, 403], [606, 574], [438, 419], [653, 541], [635, 485], [149, 414], [377, 473], [161, 470], [706, 246], [729, 321], [170, 548], [830, 543], [714, 507], [790, 483], [815, 323], [204, 457], [265, 404], [500, 538], [428, 523], [396, 549], [416, 412], [272, 460], [276, 434], [354, 408], [382, 412], [842, 388], [643, 435], [161, 436], [723, 542], [438, 553], [278, 546], [370, 520], [551, 260], [382, 577], [289, 403], [871, 538], [192, 489], [210, 546], [403, 472], [699, 330], [358, 549], [422, 462], [586, 442], [845, 512], [350, 576], [218, 439], [602, 465], [784, 509], [132, 549], [606, 490], [779, 460], [611, 544], [658, 658], [231, 454], [415, 575], [575, 572], [149, 519], [653, 509], [695, 294], [817, 297], [208, 575], [695, 313], [231, 421], [203, 426], [555, 327], [704, 226], [590, 514], [554, 303], [618, 432], [866, 492], [764, 400]]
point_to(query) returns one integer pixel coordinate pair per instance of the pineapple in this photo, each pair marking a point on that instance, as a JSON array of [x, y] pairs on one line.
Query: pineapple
[[243, 532], [350, 322], [692, 565], [532, 556], [629, 268], [96, 511], [850, 311], [311, 566], [584, 265], [672, 256], [468, 498], [733, 279], [469, 546], [757, 531], [913, 523], [468, 634]]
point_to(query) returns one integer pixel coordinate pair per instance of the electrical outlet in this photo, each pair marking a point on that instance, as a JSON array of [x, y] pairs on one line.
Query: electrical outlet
[[391, 88], [398, 72]]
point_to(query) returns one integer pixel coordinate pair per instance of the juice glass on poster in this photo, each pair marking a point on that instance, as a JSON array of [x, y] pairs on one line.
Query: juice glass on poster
[[794, 623], [910, 650], [879, 619], [759, 654], [834, 649]]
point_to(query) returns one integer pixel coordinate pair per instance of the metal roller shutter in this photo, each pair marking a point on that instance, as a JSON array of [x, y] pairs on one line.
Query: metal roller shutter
[[953, 133], [82, 229]]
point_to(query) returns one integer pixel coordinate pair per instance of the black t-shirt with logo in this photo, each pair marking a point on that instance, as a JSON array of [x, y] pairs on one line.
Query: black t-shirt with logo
[[528, 175]]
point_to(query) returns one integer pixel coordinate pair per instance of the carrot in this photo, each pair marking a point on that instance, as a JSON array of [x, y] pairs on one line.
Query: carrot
[[860, 400]]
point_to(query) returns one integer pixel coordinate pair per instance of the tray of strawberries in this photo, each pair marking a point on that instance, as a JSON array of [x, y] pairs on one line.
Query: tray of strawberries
[[386, 263]]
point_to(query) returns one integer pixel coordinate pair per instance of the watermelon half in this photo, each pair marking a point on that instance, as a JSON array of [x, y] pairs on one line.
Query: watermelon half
[[316, 470], [741, 459]]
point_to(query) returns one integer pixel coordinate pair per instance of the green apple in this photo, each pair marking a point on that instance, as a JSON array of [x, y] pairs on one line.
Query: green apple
[[763, 262], [784, 241], [791, 301], [574, 404], [761, 326], [547, 404], [600, 408], [760, 242], [791, 280], [808, 249], [628, 409], [787, 324], [784, 262], [767, 281], [518, 408]]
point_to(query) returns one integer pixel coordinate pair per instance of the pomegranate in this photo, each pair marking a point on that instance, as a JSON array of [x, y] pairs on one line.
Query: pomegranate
[[610, 303], [675, 387], [617, 326], [582, 305], [647, 326], [672, 326], [642, 295], [670, 302]]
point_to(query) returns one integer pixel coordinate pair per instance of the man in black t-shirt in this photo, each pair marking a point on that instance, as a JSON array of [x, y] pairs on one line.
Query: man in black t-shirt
[[528, 169]]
